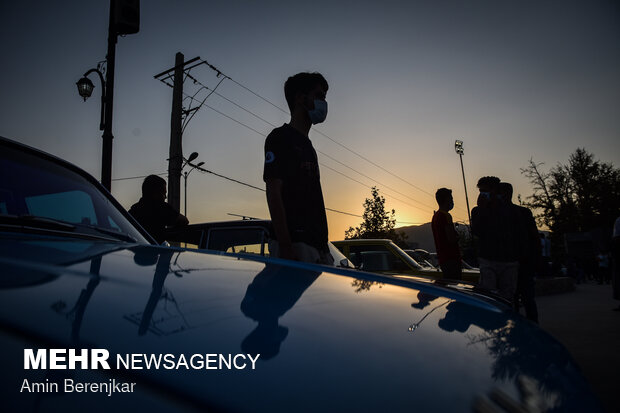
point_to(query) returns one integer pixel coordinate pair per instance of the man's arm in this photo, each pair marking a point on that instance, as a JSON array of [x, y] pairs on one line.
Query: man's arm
[[181, 220], [278, 218], [450, 232]]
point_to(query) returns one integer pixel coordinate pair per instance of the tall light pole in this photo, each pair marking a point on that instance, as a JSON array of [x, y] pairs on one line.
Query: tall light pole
[[124, 19], [188, 161], [458, 147]]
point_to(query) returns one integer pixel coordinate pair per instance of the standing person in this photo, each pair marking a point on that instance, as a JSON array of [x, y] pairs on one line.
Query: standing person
[[292, 178], [153, 212], [446, 237], [530, 254], [495, 224]]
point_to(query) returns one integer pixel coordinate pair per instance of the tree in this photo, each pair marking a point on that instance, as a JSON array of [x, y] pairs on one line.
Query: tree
[[377, 222], [581, 196]]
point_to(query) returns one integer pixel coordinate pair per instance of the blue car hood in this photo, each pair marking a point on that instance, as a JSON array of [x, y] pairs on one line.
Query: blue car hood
[[327, 341]]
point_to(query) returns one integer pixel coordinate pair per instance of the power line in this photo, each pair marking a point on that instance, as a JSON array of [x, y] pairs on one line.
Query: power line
[[250, 186], [322, 164], [138, 177], [196, 109], [213, 91], [319, 151], [323, 134]]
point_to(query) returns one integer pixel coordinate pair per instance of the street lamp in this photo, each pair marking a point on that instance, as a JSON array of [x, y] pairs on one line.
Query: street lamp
[[124, 19], [458, 147], [193, 156], [85, 88]]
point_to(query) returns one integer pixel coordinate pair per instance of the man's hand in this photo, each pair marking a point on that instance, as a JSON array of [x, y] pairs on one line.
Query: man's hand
[[286, 251], [278, 218]]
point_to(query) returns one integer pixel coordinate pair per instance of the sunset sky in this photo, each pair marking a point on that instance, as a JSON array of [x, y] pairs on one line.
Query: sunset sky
[[513, 80]]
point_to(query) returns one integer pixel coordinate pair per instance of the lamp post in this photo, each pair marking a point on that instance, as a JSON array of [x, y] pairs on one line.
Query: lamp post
[[124, 19], [187, 162], [85, 88], [458, 147]]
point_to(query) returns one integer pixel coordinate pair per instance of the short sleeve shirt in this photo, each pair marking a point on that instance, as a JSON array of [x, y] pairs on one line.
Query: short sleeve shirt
[[446, 250], [290, 157]]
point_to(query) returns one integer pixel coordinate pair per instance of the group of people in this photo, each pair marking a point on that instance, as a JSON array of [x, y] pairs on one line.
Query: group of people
[[291, 175], [506, 239]]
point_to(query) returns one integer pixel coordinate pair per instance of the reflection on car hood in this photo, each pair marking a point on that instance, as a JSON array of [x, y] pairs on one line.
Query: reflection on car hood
[[324, 343]]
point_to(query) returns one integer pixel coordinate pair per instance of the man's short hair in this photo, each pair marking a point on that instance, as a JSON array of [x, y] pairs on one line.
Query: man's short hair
[[491, 182], [152, 184], [443, 195], [302, 83], [506, 189]]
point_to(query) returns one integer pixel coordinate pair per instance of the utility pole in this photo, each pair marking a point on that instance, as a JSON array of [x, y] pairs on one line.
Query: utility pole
[[175, 158], [106, 157], [175, 162]]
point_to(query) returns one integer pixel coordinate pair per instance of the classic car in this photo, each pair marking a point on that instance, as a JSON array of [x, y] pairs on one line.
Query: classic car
[[429, 259], [82, 287], [385, 257], [245, 236]]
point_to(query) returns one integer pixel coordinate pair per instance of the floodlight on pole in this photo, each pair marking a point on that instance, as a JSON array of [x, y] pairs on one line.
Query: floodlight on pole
[[458, 147]]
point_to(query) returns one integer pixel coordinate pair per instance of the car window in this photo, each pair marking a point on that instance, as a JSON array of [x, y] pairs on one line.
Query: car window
[[247, 249], [251, 240], [69, 206], [47, 189], [376, 258]]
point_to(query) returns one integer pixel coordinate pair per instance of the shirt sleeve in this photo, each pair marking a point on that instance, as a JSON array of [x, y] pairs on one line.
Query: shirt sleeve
[[171, 214], [274, 157]]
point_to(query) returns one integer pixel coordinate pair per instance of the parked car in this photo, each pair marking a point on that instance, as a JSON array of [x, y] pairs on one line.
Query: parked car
[[256, 334], [420, 258], [246, 236], [385, 257], [430, 259]]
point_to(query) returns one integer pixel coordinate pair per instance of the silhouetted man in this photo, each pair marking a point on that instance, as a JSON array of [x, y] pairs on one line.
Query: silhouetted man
[[153, 212], [495, 224], [530, 254], [446, 237], [291, 174]]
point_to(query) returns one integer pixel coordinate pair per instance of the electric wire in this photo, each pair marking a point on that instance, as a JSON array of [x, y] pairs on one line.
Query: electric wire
[[320, 163], [319, 151], [430, 208], [196, 109], [138, 177], [213, 91], [326, 136]]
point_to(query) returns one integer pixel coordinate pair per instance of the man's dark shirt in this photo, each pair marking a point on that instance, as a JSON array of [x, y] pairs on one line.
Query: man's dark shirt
[[289, 156], [497, 229], [154, 217], [446, 250], [530, 251]]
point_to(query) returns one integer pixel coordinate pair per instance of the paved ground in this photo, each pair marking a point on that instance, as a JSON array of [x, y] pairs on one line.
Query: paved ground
[[584, 322]]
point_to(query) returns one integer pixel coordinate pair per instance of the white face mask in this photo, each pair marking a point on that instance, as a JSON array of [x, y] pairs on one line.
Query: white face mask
[[319, 113]]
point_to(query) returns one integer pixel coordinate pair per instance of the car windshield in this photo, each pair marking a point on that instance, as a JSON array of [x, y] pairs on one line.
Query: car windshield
[[40, 192]]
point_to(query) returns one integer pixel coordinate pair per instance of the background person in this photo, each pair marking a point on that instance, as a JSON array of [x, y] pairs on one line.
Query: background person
[[153, 212], [446, 237], [529, 254], [495, 224]]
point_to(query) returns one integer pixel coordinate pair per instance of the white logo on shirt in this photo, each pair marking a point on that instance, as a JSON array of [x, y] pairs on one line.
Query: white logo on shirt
[[269, 157]]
